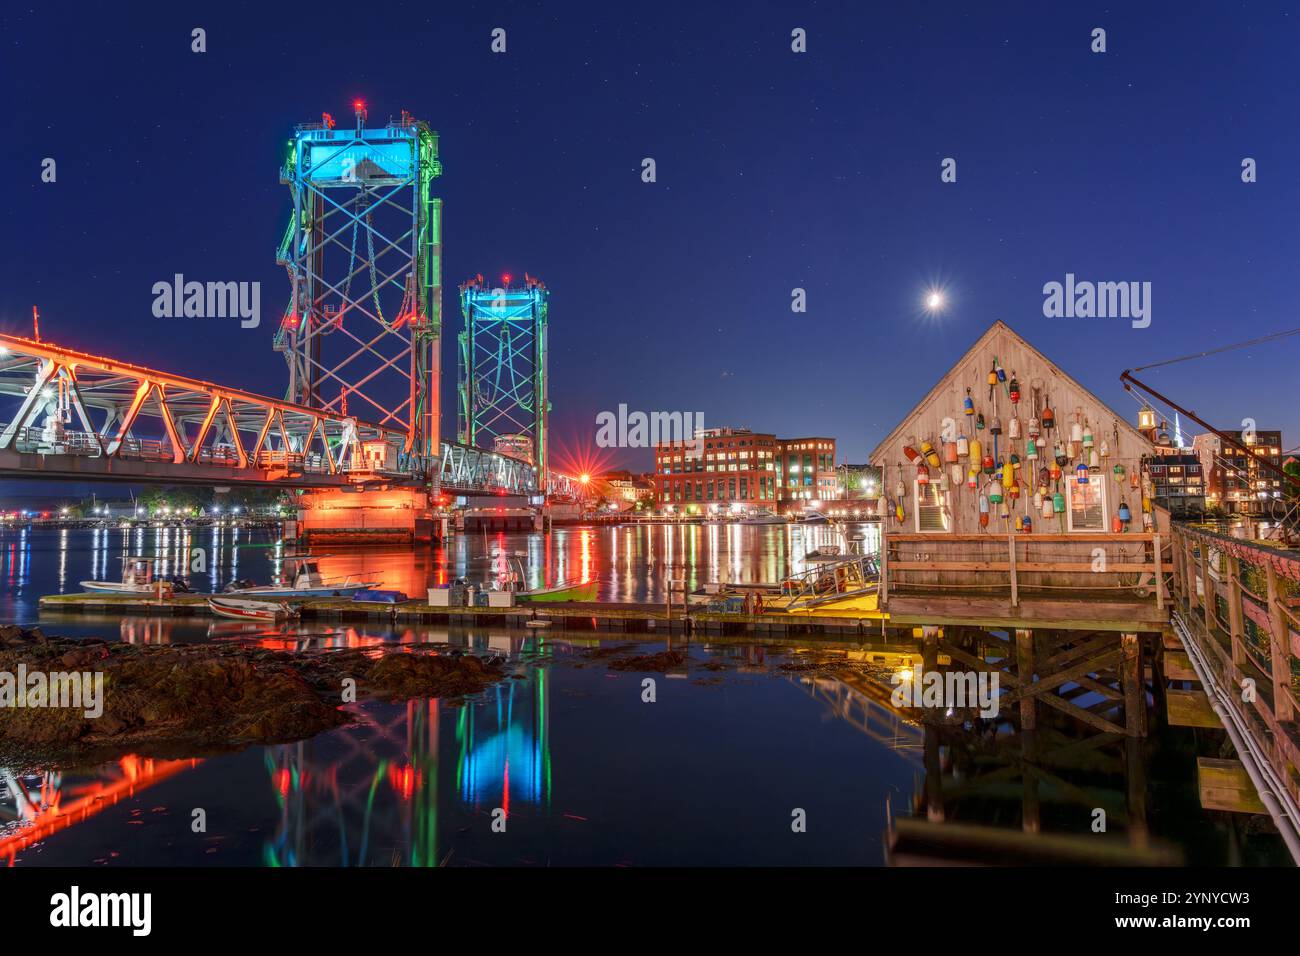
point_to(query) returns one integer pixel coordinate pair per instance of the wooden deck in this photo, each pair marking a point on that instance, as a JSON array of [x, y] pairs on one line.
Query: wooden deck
[[1106, 582]]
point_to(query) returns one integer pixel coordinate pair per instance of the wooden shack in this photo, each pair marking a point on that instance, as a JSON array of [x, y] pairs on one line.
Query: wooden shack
[[1016, 532]]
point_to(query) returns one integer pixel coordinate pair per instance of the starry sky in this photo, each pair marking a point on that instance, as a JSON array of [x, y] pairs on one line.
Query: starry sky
[[775, 170]]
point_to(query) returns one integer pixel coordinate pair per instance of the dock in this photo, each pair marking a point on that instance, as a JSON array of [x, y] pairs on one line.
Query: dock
[[848, 618]]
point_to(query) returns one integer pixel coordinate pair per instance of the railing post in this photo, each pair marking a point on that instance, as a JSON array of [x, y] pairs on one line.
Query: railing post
[[882, 590], [1011, 565], [1189, 566], [1280, 646], [1236, 626], [1160, 574], [1207, 589]]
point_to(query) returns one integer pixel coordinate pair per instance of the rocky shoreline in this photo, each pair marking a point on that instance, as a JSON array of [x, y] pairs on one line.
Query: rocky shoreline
[[176, 700]]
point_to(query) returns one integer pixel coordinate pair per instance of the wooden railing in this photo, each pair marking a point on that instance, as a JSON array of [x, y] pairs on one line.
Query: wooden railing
[[1132, 566], [1244, 599]]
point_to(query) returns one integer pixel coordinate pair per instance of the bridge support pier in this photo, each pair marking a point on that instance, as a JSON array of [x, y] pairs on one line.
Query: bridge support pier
[[399, 515]]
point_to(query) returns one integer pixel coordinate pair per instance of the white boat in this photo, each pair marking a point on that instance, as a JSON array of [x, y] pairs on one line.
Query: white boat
[[137, 578], [246, 609], [514, 578], [306, 581], [761, 516]]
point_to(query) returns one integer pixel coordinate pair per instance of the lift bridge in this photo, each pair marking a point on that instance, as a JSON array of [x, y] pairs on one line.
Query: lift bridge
[[361, 337]]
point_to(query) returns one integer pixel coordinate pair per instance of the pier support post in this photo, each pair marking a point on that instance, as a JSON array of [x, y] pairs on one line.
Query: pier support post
[[1132, 685], [1025, 673]]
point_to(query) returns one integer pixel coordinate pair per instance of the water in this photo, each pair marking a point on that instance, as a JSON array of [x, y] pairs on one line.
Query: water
[[742, 738], [630, 563]]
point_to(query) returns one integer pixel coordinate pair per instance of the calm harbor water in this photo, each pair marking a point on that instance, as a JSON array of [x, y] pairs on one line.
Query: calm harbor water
[[741, 736]]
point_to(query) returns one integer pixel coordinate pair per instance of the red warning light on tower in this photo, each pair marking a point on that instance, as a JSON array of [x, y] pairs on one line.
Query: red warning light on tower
[[505, 278]]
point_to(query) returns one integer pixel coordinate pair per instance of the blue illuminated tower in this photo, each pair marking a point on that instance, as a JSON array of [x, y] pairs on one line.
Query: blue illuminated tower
[[363, 250], [502, 369]]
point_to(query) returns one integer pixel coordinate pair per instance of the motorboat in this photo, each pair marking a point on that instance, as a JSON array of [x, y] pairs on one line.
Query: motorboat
[[306, 581], [514, 577], [250, 609], [581, 591], [761, 516], [137, 578]]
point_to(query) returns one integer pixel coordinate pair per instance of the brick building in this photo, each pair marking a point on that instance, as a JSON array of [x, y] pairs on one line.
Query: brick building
[[1234, 480], [735, 468]]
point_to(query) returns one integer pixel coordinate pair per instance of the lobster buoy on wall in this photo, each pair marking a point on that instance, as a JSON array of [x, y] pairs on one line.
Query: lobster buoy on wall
[[1118, 472], [922, 473], [979, 421], [995, 493], [984, 512], [956, 475], [1031, 450], [1028, 525], [975, 451], [996, 427], [1047, 507], [927, 450], [1013, 428], [1124, 514], [1049, 418], [1081, 473], [972, 476], [988, 464], [1058, 503], [949, 452], [911, 453], [967, 405], [963, 446], [1014, 389]]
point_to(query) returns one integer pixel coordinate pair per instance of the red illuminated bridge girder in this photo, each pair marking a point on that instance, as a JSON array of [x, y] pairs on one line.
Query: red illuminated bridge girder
[[69, 414]]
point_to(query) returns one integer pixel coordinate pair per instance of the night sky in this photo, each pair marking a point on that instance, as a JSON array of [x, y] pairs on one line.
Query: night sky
[[776, 170]]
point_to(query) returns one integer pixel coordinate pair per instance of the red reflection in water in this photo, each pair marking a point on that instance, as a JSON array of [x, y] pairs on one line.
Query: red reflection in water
[[59, 805]]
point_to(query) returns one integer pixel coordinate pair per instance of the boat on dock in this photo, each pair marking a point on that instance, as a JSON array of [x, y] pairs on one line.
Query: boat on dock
[[250, 609], [513, 578], [581, 591], [306, 581], [137, 578]]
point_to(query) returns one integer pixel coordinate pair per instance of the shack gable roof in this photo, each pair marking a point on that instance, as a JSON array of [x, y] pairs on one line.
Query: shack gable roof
[[984, 342]]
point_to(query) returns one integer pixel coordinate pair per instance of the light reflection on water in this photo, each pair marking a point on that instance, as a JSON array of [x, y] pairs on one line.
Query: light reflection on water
[[629, 563], [584, 771]]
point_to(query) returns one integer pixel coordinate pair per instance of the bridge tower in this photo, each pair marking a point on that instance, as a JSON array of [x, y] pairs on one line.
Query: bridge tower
[[503, 389], [363, 250]]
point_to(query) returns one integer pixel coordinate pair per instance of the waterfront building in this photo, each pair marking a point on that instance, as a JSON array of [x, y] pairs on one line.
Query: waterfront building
[[1235, 480], [739, 469], [1016, 540], [1083, 434], [1177, 483]]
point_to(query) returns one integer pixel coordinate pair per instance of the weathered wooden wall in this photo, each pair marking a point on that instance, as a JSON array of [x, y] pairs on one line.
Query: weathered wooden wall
[[1067, 398]]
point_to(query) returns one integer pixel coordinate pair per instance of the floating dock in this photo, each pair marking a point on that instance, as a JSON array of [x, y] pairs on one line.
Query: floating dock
[[852, 616]]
